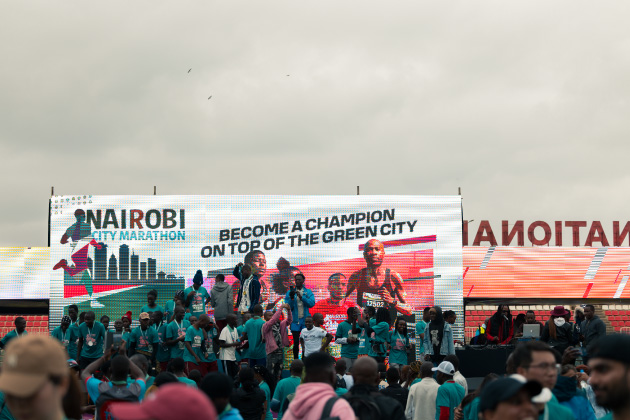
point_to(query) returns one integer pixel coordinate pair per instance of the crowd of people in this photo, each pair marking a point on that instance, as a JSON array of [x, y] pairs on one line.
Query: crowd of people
[[178, 361]]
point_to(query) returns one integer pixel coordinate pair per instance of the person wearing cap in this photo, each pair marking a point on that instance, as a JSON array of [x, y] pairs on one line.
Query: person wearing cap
[[170, 401], [63, 332], [536, 361], [144, 339], [610, 374], [557, 332], [509, 399], [19, 331], [91, 338], [176, 333], [35, 379], [449, 394], [196, 296], [591, 328]]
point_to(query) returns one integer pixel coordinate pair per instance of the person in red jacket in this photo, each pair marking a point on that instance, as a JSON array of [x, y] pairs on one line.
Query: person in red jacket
[[500, 328]]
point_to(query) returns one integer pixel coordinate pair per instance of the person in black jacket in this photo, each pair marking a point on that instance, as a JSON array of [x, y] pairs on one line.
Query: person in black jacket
[[249, 399], [364, 393], [394, 389], [558, 333]]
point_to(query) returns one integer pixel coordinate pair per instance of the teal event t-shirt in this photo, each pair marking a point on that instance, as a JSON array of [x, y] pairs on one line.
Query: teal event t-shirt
[[93, 339]]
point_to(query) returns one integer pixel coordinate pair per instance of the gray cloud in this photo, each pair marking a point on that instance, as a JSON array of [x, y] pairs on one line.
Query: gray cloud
[[522, 105]]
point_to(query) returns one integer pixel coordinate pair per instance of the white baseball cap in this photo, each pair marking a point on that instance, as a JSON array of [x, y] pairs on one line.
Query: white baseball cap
[[445, 367]]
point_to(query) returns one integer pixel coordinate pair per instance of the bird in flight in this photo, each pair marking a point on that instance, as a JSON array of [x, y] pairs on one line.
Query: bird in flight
[[288, 75], [189, 70], [209, 97]]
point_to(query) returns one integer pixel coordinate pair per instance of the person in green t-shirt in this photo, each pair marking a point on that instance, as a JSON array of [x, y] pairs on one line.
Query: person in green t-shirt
[[169, 307], [163, 351], [380, 335], [253, 333], [196, 296], [144, 339], [19, 331], [151, 306], [176, 333], [267, 383], [347, 335], [91, 337], [368, 320], [286, 387], [399, 344], [243, 354], [420, 327], [450, 394], [63, 332], [199, 354]]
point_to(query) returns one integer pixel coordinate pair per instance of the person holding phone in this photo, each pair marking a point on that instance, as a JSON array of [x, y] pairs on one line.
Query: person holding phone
[[300, 299]]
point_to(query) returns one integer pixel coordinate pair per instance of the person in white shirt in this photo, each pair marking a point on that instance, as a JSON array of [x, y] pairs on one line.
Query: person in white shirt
[[422, 396], [228, 341], [311, 338], [458, 377]]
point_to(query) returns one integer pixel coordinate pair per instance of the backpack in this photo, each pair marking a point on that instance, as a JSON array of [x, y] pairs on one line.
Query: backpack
[[341, 383], [364, 406], [328, 408], [109, 394]]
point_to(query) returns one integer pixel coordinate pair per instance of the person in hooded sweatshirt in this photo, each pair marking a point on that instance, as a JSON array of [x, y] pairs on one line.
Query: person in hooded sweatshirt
[[222, 300], [312, 396], [249, 399], [438, 337], [566, 391]]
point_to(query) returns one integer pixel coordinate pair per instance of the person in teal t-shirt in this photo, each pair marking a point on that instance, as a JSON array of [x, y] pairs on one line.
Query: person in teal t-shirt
[[266, 382], [144, 339], [63, 332], [348, 336], [169, 307], [420, 327], [151, 306], [19, 331], [285, 387], [399, 343], [176, 333], [450, 394], [253, 332], [199, 354], [243, 354], [91, 338], [367, 321], [196, 296], [163, 351], [380, 335]]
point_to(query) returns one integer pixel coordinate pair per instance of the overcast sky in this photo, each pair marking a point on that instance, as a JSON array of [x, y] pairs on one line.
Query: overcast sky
[[525, 105]]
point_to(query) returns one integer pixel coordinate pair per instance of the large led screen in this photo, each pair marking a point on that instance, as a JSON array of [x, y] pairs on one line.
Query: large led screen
[[107, 252], [546, 272], [24, 273]]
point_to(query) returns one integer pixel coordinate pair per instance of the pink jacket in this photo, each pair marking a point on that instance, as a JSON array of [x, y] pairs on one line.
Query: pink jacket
[[270, 343], [310, 399]]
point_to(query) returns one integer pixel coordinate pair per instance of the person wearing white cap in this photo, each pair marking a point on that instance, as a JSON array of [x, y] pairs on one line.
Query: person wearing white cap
[[450, 394], [509, 399]]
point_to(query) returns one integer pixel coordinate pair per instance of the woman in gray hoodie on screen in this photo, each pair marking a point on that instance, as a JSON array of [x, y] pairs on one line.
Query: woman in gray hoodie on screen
[[222, 300]]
